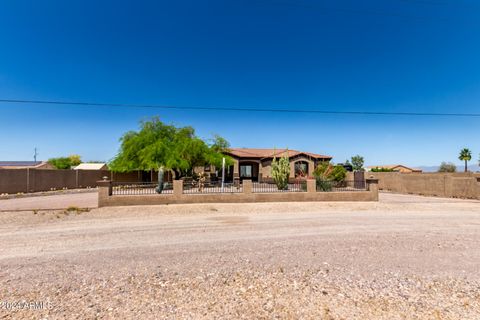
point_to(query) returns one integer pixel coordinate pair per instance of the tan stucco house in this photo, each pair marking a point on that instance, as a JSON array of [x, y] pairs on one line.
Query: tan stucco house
[[255, 164], [91, 166]]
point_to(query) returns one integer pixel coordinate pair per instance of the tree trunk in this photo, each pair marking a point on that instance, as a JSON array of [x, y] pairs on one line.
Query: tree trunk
[[465, 165], [160, 179]]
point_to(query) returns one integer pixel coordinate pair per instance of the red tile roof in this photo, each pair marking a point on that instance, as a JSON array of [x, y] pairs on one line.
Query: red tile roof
[[270, 153]]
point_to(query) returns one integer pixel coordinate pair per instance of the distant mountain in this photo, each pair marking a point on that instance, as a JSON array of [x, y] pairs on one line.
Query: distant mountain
[[471, 167]]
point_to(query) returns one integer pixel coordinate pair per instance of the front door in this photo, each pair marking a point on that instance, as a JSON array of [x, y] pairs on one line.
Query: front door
[[249, 171]]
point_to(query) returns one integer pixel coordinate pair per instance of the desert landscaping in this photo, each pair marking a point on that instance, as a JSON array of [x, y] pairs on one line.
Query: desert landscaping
[[404, 257]]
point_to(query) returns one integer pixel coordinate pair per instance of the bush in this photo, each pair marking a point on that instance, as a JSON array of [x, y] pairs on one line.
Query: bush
[[65, 162], [326, 171], [447, 167], [323, 185], [281, 171], [327, 175], [339, 173], [377, 169]]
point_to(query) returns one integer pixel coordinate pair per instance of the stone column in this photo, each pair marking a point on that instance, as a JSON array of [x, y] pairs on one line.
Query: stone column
[[177, 187], [478, 188], [311, 168], [311, 185], [447, 186], [372, 186], [247, 186], [104, 191]]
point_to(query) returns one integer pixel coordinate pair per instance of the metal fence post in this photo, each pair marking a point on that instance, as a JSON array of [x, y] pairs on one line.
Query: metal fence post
[[76, 178]]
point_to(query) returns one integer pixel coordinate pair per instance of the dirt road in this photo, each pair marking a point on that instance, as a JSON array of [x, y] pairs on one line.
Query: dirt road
[[404, 257]]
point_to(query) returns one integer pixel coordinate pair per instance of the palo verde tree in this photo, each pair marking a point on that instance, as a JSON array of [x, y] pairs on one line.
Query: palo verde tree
[[465, 155], [158, 146]]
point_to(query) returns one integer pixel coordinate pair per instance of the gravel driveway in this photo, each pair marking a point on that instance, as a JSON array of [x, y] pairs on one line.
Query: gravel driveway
[[402, 258]]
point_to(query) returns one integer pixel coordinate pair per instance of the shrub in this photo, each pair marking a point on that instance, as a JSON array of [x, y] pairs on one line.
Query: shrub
[[281, 171], [327, 175], [323, 185], [326, 171], [447, 167], [377, 169], [339, 173], [65, 162]]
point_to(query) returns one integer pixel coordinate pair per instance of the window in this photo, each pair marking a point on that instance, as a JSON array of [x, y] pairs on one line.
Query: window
[[301, 169], [246, 171]]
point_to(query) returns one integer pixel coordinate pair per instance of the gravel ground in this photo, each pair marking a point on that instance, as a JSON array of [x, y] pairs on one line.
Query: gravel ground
[[405, 257]]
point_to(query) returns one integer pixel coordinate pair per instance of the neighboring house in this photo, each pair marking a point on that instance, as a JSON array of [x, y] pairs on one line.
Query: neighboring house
[[396, 168], [91, 166], [255, 164], [25, 165]]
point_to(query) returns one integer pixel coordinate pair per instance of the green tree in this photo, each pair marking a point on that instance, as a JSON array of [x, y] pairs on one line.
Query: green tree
[[75, 160], [65, 162], [465, 155], [281, 171], [447, 167], [219, 144], [357, 163], [158, 146]]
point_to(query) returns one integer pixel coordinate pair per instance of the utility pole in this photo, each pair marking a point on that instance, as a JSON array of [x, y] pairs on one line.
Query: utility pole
[[35, 154], [223, 172]]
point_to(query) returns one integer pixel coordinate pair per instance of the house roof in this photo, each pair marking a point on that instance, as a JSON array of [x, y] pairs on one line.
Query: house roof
[[91, 166], [270, 153], [393, 167], [21, 164]]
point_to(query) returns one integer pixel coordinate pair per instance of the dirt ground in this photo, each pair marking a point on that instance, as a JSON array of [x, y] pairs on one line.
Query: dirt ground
[[77, 198], [405, 257]]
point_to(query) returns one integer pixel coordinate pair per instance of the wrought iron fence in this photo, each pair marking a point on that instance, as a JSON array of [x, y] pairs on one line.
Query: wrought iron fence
[[339, 186], [192, 187], [266, 187], [129, 188]]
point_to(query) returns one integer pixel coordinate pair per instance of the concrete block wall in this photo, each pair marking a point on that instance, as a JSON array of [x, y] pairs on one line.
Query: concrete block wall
[[450, 185], [105, 197]]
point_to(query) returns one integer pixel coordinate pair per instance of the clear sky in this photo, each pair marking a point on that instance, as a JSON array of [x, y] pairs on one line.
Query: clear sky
[[395, 55]]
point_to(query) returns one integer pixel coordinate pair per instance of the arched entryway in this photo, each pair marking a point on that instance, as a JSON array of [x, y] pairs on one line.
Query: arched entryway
[[301, 169], [248, 170]]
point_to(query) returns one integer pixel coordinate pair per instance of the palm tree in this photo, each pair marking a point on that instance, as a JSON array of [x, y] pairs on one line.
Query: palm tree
[[465, 155]]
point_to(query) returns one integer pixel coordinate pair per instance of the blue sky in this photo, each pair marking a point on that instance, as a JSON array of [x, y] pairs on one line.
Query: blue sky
[[396, 55]]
